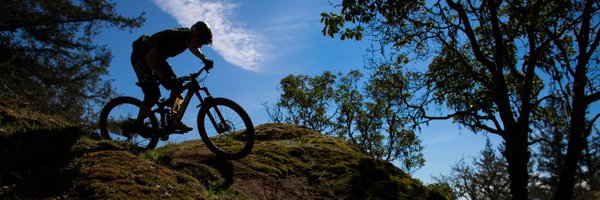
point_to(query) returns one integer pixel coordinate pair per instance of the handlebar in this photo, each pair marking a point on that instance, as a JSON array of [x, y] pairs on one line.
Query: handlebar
[[196, 74]]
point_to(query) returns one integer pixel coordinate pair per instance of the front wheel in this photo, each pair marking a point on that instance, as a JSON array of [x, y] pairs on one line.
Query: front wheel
[[226, 128], [116, 118]]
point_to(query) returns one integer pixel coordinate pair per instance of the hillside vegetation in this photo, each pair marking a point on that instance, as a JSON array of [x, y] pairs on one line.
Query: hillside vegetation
[[46, 157]]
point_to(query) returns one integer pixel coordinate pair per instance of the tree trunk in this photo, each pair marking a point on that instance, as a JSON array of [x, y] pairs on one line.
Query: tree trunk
[[517, 155], [577, 137], [569, 170]]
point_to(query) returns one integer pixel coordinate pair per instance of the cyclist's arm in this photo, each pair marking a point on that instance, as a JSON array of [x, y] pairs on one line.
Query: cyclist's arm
[[152, 59], [196, 51]]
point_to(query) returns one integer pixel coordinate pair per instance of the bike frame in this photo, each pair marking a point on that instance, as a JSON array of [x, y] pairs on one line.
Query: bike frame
[[193, 88]]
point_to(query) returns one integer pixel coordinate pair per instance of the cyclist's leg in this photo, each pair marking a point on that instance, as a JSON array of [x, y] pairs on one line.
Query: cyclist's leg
[[176, 89], [148, 84], [170, 81], [151, 95]]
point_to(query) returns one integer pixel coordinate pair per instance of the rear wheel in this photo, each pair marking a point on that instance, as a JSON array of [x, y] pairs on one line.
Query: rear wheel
[[116, 119], [231, 137]]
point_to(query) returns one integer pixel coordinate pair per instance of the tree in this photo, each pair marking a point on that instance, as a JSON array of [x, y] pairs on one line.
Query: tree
[[489, 67], [386, 89], [47, 55], [576, 79], [337, 106], [474, 180], [551, 155], [307, 100], [484, 178]]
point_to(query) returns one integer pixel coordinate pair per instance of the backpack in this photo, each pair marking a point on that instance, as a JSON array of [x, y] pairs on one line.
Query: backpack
[[140, 45]]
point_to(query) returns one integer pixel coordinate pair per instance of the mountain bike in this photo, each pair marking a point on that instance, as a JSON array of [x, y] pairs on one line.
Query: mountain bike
[[224, 126]]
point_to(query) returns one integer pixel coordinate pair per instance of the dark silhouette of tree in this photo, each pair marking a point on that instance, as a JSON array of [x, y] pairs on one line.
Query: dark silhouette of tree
[[368, 117], [485, 177], [474, 179], [552, 150], [47, 55], [491, 62], [575, 79]]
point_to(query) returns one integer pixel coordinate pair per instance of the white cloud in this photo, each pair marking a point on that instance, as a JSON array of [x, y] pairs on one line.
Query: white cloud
[[238, 46]]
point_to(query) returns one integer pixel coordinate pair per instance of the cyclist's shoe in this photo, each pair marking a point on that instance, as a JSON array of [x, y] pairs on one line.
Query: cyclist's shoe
[[182, 127]]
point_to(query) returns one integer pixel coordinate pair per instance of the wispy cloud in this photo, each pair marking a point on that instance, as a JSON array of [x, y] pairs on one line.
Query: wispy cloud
[[237, 45]]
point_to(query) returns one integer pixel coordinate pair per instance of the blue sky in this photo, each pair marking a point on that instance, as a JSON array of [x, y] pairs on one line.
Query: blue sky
[[256, 43]]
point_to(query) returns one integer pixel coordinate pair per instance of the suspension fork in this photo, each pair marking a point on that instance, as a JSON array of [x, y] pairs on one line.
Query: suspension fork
[[224, 126]]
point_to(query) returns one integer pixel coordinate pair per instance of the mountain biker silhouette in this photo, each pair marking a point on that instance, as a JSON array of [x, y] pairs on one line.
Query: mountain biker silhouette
[[149, 63]]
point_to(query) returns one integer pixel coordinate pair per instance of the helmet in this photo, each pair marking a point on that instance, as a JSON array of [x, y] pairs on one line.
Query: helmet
[[202, 31]]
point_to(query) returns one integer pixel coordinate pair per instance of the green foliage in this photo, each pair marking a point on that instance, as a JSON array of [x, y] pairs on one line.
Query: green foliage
[[358, 14], [48, 57], [307, 99], [371, 117]]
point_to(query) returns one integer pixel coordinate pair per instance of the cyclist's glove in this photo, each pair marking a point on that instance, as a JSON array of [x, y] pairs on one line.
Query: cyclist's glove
[[208, 63]]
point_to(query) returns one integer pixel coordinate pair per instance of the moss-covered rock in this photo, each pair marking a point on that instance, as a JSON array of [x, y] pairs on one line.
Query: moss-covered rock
[[293, 162], [122, 175]]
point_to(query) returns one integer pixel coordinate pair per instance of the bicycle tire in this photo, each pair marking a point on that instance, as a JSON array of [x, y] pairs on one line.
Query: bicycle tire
[[135, 103], [234, 145]]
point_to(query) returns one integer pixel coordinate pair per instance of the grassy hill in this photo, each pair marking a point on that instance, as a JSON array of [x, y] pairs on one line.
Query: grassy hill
[[46, 157]]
